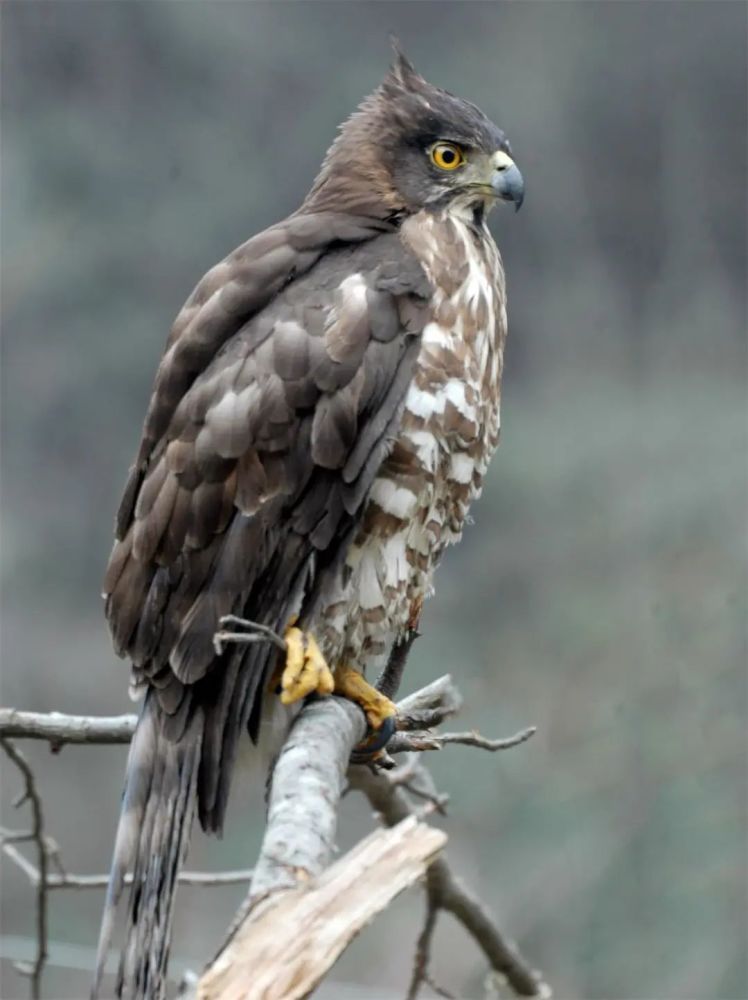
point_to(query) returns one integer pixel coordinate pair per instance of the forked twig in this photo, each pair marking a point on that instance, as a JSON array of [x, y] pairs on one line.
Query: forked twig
[[30, 794]]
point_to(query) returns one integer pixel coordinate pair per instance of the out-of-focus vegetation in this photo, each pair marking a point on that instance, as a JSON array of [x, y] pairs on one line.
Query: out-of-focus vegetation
[[601, 592]]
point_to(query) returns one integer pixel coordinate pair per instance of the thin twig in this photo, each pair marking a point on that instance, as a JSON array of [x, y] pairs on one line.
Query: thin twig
[[404, 742], [71, 881], [437, 801], [439, 990], [414, 777], [423, 950], [29, 870], [238, 876], [31, 795], [474, 739], [15, 836]]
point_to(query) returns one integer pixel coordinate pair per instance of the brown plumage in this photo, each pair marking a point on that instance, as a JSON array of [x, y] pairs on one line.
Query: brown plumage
[[320, 421]]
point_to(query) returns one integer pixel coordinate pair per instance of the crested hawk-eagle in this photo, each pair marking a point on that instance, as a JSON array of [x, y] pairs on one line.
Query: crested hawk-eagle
[[321, 419]]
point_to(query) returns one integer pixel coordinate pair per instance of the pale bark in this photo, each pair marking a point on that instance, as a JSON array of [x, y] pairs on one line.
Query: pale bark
[[286, 945]]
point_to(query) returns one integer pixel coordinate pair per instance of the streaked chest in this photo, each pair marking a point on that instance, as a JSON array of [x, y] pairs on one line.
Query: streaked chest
[[455, 392], [448, 431], [450, 423]]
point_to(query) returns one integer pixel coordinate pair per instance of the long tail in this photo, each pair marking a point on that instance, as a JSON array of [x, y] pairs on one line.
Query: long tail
[[153, 834]]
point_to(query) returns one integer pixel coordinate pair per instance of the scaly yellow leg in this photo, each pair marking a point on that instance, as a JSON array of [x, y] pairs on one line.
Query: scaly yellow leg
[[305, 671], [352, 685]]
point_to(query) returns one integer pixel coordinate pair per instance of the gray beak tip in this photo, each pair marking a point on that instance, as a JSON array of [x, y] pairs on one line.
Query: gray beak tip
[[509, 185]]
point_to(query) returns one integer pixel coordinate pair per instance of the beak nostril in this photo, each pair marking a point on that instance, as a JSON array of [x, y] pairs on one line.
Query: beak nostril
[[500, 169]]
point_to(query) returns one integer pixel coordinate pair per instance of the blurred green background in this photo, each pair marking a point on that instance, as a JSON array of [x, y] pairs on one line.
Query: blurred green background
[[601, 593]]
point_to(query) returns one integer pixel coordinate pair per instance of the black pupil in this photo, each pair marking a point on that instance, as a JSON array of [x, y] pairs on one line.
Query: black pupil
[[448, 155]]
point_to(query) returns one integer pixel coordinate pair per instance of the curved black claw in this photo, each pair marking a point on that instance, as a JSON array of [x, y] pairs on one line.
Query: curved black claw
[[378, 740]]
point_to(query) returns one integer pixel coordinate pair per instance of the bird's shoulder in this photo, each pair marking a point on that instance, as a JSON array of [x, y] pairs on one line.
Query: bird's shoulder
[[283, 282]]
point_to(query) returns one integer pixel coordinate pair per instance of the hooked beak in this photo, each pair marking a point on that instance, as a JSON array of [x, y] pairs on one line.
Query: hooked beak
[[507, 181]]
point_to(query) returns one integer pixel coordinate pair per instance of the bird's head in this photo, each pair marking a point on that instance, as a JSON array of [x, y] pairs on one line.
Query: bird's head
[[410, 146]]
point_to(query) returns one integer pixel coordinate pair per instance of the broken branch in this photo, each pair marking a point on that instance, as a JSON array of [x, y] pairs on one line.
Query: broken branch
[[320, 917]]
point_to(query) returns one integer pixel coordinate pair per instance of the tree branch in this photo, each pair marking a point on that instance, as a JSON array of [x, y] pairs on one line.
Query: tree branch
[[419, 741], [320, 910], [429, 706], [290, 885], [60, 729], [66, 880], [307, 783], [447, 892]]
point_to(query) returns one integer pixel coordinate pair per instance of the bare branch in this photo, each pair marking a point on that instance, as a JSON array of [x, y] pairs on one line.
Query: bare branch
[[447, 892], [307, 782], [414, 777], [14, 836], [70, 881], [238, 876], [31, 795], [439, 990], [59, 729], [423, 950], [403, 742], [29, 870], [429, 706], [441, 695], [474, 739]]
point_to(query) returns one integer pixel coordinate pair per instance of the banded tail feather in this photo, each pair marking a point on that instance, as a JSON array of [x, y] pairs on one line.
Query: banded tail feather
[[158, 809]]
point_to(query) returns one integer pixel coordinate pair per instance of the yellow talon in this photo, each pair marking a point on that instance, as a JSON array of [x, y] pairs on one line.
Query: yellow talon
[[352, 685], [306, 670]]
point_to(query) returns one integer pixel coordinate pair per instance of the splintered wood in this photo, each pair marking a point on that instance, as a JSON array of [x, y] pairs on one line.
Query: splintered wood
[[288, 942]]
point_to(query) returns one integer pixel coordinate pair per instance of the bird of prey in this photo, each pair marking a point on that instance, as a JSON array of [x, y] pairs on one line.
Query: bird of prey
[[322, 417]]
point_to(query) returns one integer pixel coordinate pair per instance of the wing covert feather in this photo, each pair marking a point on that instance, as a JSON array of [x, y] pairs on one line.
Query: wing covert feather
[[283, 376]]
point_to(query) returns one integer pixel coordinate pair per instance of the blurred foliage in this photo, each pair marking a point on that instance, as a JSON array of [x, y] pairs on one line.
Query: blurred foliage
[[601, 593]]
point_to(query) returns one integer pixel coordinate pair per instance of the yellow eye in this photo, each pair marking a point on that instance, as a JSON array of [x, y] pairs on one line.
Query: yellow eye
[[446, 155]]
